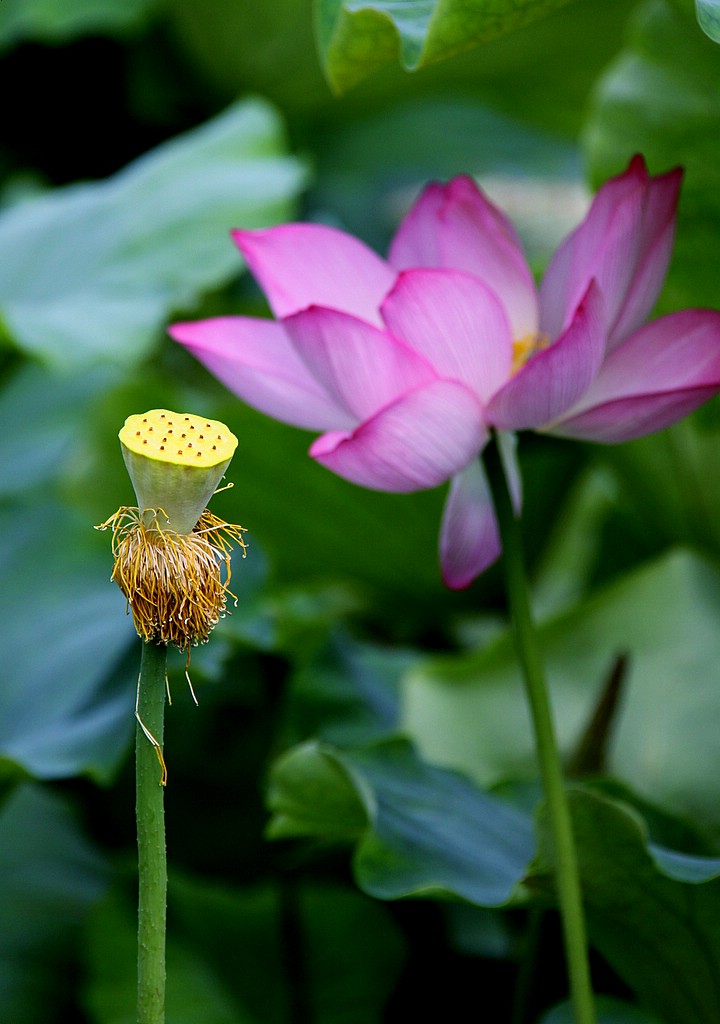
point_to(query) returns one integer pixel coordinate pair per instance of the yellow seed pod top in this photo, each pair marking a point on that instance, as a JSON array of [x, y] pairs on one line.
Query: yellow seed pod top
[[175, 461], [181, 438]]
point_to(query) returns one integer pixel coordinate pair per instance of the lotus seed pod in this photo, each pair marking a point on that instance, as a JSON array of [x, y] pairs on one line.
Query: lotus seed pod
[[170, 550], [175, 462]]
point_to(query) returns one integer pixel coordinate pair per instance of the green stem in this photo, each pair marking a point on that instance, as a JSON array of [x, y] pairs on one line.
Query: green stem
[[567, 878], [150, 810]]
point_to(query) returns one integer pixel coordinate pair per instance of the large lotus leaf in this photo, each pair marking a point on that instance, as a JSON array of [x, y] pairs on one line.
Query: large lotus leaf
[[94, 270], [347, 693], [44, 419], [661, 935], [468, 712], [661, 97], [420, 831], [49, 879], [67, 693], [708, 15], [357, 37], [58, 20]]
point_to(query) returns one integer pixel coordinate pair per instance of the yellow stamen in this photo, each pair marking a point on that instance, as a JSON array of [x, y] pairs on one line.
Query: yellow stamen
[[150, 738], [172, 582], [525, 348]]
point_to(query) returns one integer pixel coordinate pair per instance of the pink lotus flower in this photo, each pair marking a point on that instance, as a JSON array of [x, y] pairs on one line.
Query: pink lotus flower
[[405, 364]]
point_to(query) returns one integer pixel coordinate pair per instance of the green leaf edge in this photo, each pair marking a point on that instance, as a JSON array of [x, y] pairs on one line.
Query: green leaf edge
[[355, 38]]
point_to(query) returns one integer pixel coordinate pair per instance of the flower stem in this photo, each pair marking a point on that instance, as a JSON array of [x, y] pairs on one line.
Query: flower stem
[[526, 642], [150, 811]]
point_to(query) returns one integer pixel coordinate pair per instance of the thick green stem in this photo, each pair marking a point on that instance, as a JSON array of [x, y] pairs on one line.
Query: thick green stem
[[566, 869], [150, 810]]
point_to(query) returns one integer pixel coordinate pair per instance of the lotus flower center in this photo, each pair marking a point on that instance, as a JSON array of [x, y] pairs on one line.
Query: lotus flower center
[[525, 348]]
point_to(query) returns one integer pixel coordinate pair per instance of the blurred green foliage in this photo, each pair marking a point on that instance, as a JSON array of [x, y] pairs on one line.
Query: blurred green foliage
[[377, 714]]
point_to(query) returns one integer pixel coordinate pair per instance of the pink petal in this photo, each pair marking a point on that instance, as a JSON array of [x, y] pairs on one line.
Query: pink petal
[[256, 360], [469, 537], [362, 368], [456, 323], [301, 265], [657, 376], [624, 244], [416, 242], [657, 234], [457, 227], [420, 441], [628, 418], [556, 377]]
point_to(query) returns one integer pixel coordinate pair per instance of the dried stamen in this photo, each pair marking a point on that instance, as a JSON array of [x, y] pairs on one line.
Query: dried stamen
[[173, 582]]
